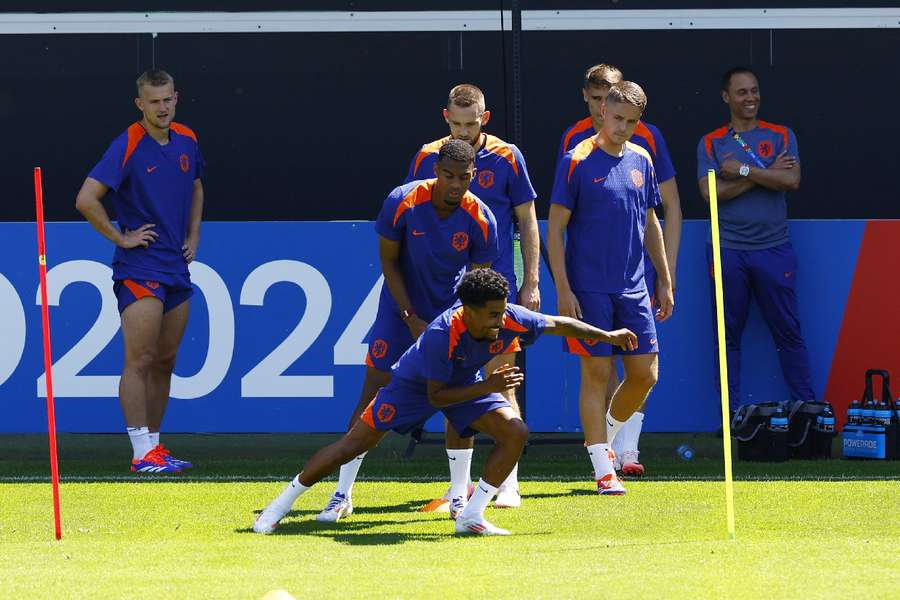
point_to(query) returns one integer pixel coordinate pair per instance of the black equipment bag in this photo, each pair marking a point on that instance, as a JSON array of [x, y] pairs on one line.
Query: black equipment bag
[[810, 429], [761, 431]]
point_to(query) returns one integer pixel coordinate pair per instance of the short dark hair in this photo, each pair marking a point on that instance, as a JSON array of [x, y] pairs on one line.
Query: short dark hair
[[627, 92], [458, 151], [465, 95], [480, 286], [602, 76], [726, 78], [154, 78]]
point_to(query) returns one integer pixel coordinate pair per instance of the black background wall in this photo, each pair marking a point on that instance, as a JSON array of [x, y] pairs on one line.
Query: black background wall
[[315, 126]]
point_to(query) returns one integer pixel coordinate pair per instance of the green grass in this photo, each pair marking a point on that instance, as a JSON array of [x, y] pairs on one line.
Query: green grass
[[798, 536]]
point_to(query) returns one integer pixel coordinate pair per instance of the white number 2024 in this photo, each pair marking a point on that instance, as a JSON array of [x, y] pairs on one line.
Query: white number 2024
[[265, 380]]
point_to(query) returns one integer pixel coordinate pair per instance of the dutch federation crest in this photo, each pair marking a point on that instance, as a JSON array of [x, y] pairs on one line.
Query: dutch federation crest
[[386, 412], [496, 346], [184, 162], [637, 178], [765, 149], [485, 178], [379, 348], [460, 241]]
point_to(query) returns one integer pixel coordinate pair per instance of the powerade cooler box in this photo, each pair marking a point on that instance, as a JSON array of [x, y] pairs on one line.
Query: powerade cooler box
[[873, 425]]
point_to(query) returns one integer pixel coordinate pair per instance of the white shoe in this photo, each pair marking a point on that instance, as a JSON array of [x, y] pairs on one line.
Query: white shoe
[[508, 497], [477, 526], [456, 506], [338, 507], [269, 518], [609, 485]]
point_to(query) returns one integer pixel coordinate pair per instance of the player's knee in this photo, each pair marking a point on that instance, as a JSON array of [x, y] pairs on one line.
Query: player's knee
[[142, 362], [165, 363], [515, 433], [645, 378]]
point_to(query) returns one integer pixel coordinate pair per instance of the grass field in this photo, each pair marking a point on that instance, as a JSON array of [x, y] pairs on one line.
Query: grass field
[[804, 529]]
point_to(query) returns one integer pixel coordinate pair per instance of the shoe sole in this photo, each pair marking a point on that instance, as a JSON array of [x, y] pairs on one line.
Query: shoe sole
[[611, 493], [632, 471], [341, 516], [439, 505]]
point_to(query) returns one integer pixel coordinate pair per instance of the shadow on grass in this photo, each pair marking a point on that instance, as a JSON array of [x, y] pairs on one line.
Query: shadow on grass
[[356, 532]]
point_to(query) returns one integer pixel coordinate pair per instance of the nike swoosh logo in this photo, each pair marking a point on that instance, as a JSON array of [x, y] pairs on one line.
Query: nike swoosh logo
[[151, 169], [452, 457], [599, 179], [418, 233]]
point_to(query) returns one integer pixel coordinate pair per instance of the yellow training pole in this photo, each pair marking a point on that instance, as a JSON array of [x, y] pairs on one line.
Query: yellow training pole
[[723, 363]]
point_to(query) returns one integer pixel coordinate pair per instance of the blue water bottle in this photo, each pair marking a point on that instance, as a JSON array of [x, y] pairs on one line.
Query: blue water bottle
[[685, 452], [854, 413]]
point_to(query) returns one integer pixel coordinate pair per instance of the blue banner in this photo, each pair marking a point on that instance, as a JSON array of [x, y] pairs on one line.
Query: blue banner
[[275, 337]]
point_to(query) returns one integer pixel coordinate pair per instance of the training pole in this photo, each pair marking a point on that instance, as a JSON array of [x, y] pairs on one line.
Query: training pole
[[48, 357], [723, 362]]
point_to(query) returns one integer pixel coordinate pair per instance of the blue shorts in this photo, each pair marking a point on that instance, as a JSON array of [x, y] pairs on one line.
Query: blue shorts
[[388, 339], [631, 310], [396, 409], [131, 284]]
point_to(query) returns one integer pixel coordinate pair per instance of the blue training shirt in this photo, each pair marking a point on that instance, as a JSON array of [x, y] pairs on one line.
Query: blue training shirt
[[446, 352], [434, 252], [152, 183], [501, 181], [757, 219], [609, 197]]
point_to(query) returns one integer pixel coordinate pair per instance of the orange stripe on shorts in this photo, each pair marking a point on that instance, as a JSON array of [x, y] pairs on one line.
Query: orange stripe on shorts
[[138, 290]]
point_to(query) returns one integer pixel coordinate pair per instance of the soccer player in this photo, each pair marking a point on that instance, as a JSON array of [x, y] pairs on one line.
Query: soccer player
[[429, 232], [597, 81], [154, 170], [501, 181], [603, 197], [442, 371], [756, 163]]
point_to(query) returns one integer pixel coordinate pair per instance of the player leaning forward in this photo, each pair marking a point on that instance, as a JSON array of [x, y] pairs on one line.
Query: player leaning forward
[[603, 198], [153, 172], [441, 371]]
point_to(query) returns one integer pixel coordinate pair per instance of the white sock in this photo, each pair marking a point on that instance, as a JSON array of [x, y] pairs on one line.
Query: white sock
[[631, 434], [294, 490], [348, 475], [484, 493], [599, 454], [140, 441], [154, 438], [512, 480], [460, 471], [612, 427]]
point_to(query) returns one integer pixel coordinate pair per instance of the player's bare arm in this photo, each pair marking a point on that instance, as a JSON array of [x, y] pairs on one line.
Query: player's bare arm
[[569, 327], [726, 189], [566, 301], [530, 294], [193, 239], [671, 201], [88, 203], [389, 252], [653, 242], [782, 176], [505, 378]]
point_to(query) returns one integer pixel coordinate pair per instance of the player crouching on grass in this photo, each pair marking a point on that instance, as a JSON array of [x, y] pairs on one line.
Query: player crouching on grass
[[441, 371]]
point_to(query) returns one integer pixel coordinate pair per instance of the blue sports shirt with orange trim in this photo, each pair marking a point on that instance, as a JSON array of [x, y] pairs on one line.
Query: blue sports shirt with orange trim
[[609, 197], [434, 252], [152, 183], [446, 351], [645, 135], [501, 181], [757, 219]]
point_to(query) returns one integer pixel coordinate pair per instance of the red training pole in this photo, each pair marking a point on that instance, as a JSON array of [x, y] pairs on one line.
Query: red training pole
[[48, 357]]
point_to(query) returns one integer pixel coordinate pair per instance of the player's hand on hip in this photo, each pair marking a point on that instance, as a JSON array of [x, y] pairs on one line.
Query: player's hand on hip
[[504, 378], [665, 301], [784, 161], [624, 339], [568, 304], [530, 296], [416, 326], [189, 249], [142, 236]]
